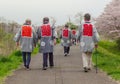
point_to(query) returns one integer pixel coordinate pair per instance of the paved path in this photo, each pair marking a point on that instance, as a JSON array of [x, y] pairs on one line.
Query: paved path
[[67, 70]]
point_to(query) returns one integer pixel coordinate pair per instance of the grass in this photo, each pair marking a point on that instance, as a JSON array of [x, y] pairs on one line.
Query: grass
[[58, 40], [108, 58], [10, 63]]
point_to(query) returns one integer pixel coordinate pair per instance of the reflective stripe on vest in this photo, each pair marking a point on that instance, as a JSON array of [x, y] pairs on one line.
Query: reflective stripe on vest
[[65, 33], [73, 32], [87, 29], [46, 30], [26, 31]]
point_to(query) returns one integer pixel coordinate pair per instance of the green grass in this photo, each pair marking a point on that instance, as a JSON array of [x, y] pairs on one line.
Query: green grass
[[58, 40], [108, 58], [10, 63]]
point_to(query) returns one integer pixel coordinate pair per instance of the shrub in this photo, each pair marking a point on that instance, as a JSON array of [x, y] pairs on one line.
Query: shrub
[[4, 59], [18, 53]]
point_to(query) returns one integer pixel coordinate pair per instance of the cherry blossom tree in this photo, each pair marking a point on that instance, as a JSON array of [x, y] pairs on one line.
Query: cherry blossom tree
[[79, 17], [108, 23]]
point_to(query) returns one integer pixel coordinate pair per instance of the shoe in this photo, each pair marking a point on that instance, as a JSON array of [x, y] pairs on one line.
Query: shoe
[[85, 69], [44, 68], [27, 67], [65, 54], [89, 68]]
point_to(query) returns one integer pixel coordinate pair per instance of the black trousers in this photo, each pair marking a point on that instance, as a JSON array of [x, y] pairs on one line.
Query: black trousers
[[45, 59], [26, 58], [66, 49]]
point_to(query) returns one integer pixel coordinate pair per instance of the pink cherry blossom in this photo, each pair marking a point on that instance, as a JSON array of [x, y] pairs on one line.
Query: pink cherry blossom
[[108, 23]]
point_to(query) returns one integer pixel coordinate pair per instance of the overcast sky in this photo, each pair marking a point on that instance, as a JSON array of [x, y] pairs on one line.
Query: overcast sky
[[19, 10]]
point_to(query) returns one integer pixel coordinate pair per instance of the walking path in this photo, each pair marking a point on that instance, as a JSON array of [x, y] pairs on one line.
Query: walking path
[[67, 70]]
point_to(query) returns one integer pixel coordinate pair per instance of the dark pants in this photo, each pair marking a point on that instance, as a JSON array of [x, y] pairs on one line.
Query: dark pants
[[66, 49], [26, 58], [45, 59]]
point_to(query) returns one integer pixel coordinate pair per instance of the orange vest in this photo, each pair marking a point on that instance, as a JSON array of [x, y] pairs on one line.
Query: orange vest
[[65, 33], [87, 29], [46, 30], [26, 31]]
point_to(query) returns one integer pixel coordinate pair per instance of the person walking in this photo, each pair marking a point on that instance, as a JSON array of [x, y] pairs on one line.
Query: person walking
[[74, 36], [46, 34], [88, 38], [27, 38], [66, 37]]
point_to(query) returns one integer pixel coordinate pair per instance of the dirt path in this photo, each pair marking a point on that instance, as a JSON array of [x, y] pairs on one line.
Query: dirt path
[[67, 70]]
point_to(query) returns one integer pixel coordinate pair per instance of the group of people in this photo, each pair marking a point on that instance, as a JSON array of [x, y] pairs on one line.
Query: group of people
[[87, 35]]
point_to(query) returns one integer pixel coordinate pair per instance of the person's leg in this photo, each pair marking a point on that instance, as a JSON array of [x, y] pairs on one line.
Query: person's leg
[[68, 50], [65, 51], [85, 61], [45, 57], [28, 59], [24, 58], [89, 60], [75, 41], [51, 62]]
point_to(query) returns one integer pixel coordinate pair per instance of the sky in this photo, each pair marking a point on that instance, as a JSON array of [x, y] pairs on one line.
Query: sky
[[61, 10]]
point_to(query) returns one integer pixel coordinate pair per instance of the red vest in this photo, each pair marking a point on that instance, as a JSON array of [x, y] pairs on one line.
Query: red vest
[[26, 31], [65, 33], [46, 30], [73, 32], [87, 29]]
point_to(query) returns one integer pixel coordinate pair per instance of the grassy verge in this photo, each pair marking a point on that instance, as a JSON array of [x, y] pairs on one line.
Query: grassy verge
[[10, 63], [108, 59]]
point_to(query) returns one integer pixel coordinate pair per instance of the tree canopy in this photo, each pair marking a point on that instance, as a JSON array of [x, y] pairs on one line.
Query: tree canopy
[[72, 25], [108, 23]]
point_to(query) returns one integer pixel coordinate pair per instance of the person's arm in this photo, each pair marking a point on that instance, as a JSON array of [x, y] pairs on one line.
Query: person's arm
[[34, 37], [70, 34], [55, 35], [79, 33], [96, 37], [17, 37], [60, 36], [38, 34]]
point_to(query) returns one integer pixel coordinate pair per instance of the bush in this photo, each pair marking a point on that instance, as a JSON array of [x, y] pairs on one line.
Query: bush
[[18, 53], [4, 59]]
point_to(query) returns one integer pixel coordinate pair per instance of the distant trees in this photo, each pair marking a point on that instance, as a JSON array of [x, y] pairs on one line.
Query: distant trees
[[72, 25], [79, 17], [109, 22], [7, 31], [52, 20], [8, 26], [7, 45]]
